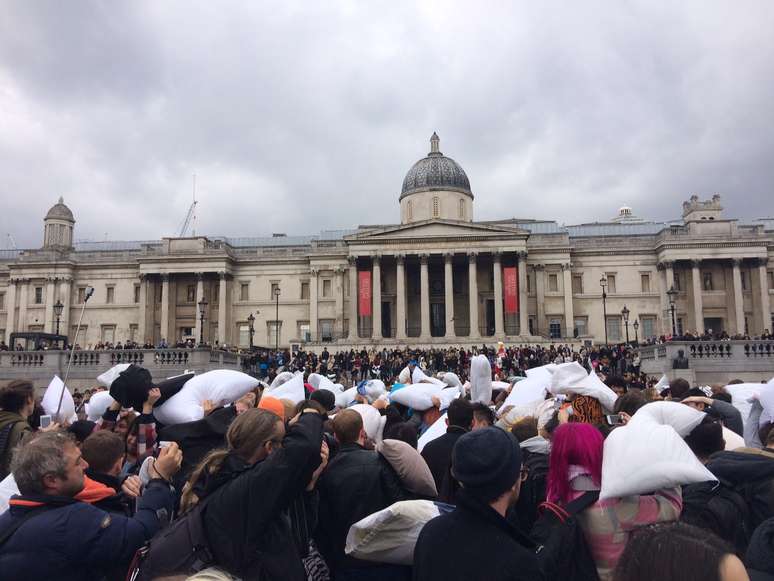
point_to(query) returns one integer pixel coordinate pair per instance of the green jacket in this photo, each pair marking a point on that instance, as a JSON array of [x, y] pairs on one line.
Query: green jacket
[[18, 427]]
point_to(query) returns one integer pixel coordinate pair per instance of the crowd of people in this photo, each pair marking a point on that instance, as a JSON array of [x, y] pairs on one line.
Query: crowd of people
[[266, 488]]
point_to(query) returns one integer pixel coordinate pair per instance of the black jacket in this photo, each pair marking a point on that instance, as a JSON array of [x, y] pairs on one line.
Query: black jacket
[[718, 508], [751, 473], [473, 542], [356, 483], [760, 554], [247, 517], [438, 454]]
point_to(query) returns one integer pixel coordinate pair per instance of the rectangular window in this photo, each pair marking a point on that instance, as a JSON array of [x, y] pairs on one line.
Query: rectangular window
[[244, 291], [133, 332], [611, 287], [111, 295], [190, 293], [555, 328], [2, 335], [706, 278], [216, 293], [2, 301], [679, 325], [531, 284], [81, 294], [647, 327], [771, 279], [532, 324], [38, 295], [678, 282], [326, 329], [186, 332], [346, 286], [326, 290], [136, 294], [274, 330], [614, 329], [244, 335], [108, 333], [81, 340], [645, 283], [577, 284], [553, 283], [275, 288], [304, 331], [305, 290], [581, 326]]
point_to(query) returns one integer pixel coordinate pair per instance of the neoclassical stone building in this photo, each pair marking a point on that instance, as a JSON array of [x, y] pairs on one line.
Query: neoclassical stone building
[[436, 278]]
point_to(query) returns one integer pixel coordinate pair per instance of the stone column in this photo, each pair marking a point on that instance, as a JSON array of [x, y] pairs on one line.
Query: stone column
[[698, 304], [473, 292], [142, 315], [165, 309], [10, 308], [48, 324], [65, 295], [376, 295], [199, 297], [424, 292], [569, 312], [448, 288], [736, 276], [400, 307], [314, 289], [353, 296], [667, 282], [540, 290], [763, 284], [23, 299], [523, 296], [338, 283], [223, 309], [497, 268]]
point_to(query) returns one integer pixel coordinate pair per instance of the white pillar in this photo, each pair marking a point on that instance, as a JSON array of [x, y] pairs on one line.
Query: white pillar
[[473, 292], [400, 307], [314, 282], [10, 308], [199, 297], [424, 293], [142, 310], [698, 305], [353, 298], [223, 309], [23, 299], [523, 296], [540, 290], [48, 324], [338, 283], [497, 268], [736, 276], [763, 284], [667, 282], [569, 311], [65, 295], [376, 294], [448, 286], [165, 309]]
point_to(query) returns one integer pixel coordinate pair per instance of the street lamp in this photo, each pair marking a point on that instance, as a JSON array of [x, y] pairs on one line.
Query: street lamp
[[625, 315], [202, 309], [251, 328], [672, 294], [636, 326], [603, 284], [276, 319], [58, 308]]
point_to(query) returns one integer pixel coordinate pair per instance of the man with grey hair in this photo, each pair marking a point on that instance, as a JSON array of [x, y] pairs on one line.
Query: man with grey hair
[[48, 534]]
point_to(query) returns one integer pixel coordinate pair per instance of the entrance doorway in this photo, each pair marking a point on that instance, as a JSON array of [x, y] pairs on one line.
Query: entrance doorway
[[715, 324], [490, 317], [437, 319], [386, 320]]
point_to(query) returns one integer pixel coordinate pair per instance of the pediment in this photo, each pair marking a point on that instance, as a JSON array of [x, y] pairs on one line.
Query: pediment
[[438, 229]]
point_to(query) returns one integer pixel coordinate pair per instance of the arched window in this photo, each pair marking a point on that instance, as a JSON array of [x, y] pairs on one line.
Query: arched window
[[436, 207], [462, 209], [410, 210]]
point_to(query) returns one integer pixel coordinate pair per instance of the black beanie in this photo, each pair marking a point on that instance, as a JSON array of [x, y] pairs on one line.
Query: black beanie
[[760, 551], [486, 462]]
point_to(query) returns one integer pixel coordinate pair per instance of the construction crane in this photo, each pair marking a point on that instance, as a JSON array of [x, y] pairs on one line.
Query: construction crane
[[190, 217]]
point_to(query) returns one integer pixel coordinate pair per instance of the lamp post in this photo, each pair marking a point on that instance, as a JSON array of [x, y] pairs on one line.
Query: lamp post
[[625, 315], [251, 328], [603, 284], [202, 309], [636, 326], [276, 319], [672, 293], [58, 308]]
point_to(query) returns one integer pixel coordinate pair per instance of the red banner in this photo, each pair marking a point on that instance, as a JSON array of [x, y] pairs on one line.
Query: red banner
[[511, 289], [364, 293]]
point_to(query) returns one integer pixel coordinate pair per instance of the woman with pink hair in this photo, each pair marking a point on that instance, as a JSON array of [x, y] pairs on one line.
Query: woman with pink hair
[[576, 468]]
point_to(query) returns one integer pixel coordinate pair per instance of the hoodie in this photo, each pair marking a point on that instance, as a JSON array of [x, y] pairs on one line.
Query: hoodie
[[760, 553], [12, 428]]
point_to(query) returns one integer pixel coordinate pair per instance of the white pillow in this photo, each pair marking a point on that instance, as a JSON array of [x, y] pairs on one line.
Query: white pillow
[[111, 374], [50, 401], [480, 380], [681, 417], [7, 489], [292, 389], [221, 386], [766, 397], [572, 378], [417, 396], [448, 395], [452, 379], [97, 405], [645, 457], [732, 440], [346, 397], [420, 376], [373, 421], [372, 389], [281, 378], [742, 395], [526, 391], [437, 430]]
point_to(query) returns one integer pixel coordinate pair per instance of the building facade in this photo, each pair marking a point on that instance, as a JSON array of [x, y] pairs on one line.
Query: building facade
[[436, 278]]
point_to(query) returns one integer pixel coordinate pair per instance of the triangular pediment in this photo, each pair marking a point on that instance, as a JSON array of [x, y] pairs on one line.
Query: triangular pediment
[[438, 229]]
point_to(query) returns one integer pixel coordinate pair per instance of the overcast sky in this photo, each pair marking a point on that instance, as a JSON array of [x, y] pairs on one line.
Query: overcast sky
[[298, 117]]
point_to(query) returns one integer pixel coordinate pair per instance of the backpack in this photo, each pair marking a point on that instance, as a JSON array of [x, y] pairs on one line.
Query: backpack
[[719, 508], [562, 549], [180, 548], [533, 491]]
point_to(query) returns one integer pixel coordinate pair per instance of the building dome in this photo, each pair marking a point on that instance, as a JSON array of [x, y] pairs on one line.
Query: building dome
[[60, 212], [436, 172]]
